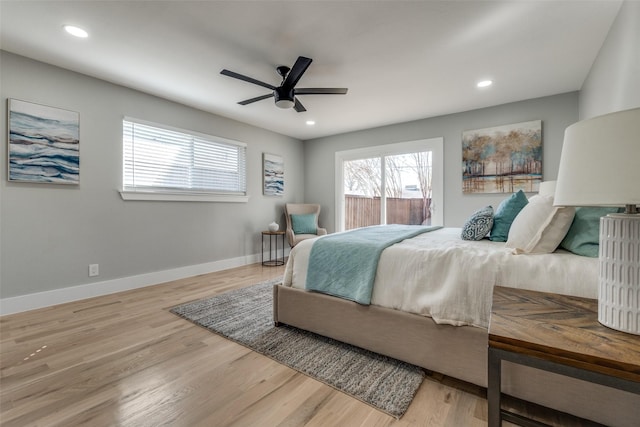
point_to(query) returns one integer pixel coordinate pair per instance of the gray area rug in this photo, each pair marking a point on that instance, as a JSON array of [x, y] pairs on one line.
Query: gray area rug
[[246, 317]]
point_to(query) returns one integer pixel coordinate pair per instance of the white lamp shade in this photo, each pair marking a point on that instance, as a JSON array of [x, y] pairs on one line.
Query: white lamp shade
[[600, 162]]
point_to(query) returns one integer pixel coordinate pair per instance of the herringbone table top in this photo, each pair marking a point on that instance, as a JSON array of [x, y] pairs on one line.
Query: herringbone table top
[[563, 329]]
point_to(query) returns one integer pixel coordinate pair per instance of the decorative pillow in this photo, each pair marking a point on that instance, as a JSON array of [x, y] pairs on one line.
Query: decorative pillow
[[304, 223], [583, 237], [478, 225], [547, 188], [505, 214], [539, 227]]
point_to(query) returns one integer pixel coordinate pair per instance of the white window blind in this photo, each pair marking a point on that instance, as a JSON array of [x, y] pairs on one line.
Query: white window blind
[[162, 159]]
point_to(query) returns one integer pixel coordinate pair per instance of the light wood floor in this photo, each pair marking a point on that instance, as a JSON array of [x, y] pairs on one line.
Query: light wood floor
[[125, 360]]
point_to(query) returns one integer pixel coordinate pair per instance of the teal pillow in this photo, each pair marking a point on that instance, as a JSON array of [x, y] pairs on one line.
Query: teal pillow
[[304, 224], [507, 211], [583, 237]]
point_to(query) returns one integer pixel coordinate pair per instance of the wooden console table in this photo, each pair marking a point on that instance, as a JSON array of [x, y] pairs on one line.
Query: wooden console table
[[559, 334]]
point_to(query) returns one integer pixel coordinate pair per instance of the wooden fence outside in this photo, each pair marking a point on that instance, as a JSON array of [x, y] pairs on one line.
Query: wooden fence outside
[[364, 211]]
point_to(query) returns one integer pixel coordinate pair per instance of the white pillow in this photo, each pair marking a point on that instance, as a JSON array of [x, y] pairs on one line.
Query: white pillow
[[547, 188], [539, 227]]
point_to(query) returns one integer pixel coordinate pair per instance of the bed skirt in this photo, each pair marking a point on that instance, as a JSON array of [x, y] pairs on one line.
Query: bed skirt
[[456, 351]]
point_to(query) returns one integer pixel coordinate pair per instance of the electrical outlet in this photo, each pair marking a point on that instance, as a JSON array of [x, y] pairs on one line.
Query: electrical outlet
[[94, 270]]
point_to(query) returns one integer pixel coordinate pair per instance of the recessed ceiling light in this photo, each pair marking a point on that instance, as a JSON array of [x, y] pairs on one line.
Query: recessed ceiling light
[[310, 122], [485, 83], [76, 31]]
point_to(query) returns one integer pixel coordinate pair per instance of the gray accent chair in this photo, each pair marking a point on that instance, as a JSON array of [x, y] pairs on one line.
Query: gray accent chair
[[301, 209]]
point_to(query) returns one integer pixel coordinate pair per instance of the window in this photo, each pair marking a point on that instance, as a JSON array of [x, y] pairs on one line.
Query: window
[[390, 184], [163, 163]]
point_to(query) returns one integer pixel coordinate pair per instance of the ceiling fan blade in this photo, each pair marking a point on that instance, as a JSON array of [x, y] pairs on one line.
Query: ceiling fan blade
[[257, 98], [246, 79], [298, 69], [321, 91], [298, 106]]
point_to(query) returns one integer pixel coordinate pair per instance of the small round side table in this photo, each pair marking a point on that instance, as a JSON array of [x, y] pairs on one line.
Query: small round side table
[[273, 259]]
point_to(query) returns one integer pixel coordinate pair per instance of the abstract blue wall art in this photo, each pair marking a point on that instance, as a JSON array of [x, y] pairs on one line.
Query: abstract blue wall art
[[273, 175], [44, 144], [502, 159]]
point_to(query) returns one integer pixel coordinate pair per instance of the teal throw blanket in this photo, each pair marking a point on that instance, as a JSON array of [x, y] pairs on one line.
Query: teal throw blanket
[[344, 264]]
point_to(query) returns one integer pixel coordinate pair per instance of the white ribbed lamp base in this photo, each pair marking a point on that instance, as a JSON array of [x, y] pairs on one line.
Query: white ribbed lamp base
[[619, 291]]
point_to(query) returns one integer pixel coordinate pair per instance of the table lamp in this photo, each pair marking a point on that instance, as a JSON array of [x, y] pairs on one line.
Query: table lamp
[[600, 166]]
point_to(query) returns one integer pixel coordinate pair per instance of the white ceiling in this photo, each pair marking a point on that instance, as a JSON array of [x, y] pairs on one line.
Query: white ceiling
[[401, 60]]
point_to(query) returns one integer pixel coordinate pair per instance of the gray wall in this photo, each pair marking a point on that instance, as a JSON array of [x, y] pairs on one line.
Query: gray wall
[[51, 233], [613, 84], [556, 112]]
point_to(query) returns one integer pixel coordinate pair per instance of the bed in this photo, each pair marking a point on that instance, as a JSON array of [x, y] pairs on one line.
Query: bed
[[430, 306]]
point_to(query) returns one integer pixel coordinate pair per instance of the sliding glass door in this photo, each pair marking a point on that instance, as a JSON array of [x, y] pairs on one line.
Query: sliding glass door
[[408, 188], [362, 192], [390, 184]]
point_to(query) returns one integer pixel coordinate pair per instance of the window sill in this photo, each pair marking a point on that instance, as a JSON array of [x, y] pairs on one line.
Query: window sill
[[181, 197]]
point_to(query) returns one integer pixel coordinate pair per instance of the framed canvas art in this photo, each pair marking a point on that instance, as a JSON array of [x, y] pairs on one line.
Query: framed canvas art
[[502, 159], [44, 144], [273, 172]]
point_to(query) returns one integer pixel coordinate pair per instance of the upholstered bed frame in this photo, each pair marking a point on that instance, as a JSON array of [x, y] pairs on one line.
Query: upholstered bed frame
[[456, 351]]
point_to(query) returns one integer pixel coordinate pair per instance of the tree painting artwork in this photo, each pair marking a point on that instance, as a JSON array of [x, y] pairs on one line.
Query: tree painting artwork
[[273, 175], [502, 159], [44, 144]]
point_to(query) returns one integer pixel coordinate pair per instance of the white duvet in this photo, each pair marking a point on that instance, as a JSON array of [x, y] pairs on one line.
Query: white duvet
[[439, 275]]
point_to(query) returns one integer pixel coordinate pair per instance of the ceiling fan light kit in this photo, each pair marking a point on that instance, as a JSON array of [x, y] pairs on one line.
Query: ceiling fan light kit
[[285, 95], [284, 103], [284, 98]]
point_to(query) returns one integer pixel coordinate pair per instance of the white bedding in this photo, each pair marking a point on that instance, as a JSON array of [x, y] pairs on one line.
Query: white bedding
[[439, 275]]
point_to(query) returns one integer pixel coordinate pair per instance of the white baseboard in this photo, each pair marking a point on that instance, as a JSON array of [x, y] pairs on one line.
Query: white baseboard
[[74, 293]]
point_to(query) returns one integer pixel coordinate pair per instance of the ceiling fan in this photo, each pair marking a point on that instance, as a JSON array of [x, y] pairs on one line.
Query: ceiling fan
[[286, 95]]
